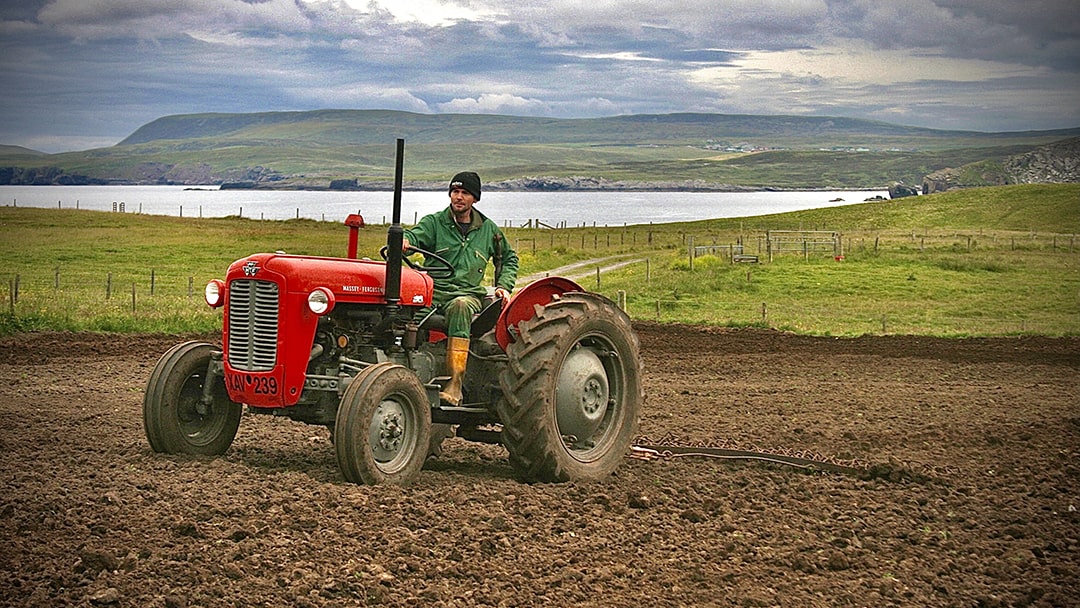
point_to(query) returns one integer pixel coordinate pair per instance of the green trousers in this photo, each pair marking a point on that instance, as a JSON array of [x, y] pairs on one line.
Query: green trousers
[[459, 311]]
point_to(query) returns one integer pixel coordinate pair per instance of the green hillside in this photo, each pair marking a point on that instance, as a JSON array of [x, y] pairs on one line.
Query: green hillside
[[362, 127], [309, 149]]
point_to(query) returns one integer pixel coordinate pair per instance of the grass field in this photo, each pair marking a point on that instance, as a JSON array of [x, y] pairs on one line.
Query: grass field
[[993, 261]]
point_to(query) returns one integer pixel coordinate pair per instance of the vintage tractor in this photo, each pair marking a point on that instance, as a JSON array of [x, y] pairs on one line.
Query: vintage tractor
[[554, 375]]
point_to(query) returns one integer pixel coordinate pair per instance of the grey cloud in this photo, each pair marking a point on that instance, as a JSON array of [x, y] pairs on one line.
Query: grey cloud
[[86, 69], [1032, 33]]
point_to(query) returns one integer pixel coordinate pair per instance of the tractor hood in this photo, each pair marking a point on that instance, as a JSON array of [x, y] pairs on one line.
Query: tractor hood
[[351, 281]]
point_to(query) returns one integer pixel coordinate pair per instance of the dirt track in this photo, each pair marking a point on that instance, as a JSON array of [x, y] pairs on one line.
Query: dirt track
[[89, 516]]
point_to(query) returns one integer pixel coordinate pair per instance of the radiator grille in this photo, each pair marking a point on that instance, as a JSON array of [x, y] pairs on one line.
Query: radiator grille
[[253, 325]]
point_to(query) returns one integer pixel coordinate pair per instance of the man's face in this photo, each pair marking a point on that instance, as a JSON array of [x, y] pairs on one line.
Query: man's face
[[461, 201]]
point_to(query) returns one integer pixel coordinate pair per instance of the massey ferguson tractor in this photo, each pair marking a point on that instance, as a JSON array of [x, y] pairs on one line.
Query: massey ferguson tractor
[[554, 375]]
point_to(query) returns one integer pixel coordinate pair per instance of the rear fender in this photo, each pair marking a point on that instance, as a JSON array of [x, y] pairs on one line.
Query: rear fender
[[522, 306]]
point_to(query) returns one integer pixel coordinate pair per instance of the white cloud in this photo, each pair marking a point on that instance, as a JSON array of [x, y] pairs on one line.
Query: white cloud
[[623, 56], [495, 103], [859, 64], [426, 12], [359, 95]]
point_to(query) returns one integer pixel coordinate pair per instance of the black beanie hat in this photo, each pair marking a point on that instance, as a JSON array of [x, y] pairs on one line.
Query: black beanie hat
[[469, 181]]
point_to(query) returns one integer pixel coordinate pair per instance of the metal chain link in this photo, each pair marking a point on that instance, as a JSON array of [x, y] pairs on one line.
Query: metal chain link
[[671, 446]]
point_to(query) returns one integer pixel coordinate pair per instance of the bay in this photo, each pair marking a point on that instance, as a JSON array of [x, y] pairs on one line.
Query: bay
[[506, 208]]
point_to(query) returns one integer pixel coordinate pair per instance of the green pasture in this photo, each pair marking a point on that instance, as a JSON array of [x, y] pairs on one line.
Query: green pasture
[[992, 261]]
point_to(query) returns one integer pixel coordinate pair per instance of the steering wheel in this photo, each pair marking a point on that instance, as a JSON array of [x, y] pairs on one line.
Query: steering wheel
[[441, 270]]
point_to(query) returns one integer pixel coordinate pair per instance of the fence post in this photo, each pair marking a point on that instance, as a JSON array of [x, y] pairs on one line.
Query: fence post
[[11, 296], [151, 282], [132, 298], [190, 286], [56, 278], [621, 299], [597, 277], [16, 290], [691, 252], [764, 314], [108, 287], [648, 271]]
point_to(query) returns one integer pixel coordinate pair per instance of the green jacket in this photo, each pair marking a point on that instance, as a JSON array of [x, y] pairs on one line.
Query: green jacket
[[438, 233]]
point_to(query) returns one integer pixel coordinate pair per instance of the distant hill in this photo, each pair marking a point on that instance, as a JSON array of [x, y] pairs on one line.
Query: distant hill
[[670, 152], [364, 127], [19, 151]]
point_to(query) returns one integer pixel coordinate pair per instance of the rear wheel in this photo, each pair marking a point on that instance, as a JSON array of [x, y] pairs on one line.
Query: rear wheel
[[383, 426], [572, 390], [175, 418]]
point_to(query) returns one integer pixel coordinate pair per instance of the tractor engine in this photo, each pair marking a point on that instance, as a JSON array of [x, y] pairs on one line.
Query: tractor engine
[[297, 328]]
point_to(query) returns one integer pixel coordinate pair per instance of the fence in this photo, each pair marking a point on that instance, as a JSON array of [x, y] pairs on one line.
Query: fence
[[806, 242], [815, 319], [146, 301]]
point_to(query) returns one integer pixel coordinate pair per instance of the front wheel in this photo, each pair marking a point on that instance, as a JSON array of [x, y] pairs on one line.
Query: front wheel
[[572, 390], [176, 418], [382, 431]]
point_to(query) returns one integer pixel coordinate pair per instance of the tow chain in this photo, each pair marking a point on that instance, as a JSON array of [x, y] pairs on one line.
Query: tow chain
[[670, 447]]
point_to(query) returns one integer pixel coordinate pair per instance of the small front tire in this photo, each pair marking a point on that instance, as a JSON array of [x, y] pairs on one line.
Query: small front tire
[[382, 431], [175, 418]]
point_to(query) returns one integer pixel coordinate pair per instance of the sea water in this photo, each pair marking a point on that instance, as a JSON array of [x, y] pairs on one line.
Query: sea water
[[554, 209]]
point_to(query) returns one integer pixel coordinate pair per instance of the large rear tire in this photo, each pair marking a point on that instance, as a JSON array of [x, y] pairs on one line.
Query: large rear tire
[[572, 390], [382, 431], [175, 418]]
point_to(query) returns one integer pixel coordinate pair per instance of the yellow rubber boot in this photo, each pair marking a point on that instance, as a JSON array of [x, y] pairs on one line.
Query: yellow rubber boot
[[457, 355]]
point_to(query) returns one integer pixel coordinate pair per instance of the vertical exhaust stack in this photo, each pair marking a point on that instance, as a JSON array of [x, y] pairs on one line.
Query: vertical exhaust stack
[[395, 235]]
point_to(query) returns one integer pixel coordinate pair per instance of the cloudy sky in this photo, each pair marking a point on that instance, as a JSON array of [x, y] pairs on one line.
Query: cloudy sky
[[79, 74]]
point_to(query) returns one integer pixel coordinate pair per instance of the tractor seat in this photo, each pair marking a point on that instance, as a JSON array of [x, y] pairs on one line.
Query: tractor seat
[[483, 321]]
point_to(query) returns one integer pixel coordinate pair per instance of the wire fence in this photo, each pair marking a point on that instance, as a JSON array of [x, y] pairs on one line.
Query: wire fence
[[832, 321], [69, 292]]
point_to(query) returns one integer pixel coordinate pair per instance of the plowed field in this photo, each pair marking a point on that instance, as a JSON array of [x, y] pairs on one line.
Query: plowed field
[[983, 433]]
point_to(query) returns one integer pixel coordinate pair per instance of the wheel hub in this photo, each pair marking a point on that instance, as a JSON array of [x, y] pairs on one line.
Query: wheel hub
[[582, 395], [387, 430]]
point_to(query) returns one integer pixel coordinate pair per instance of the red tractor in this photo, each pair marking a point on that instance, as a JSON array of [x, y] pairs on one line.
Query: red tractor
[[555, 375]]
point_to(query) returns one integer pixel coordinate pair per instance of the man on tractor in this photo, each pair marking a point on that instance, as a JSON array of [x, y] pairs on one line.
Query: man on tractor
[[467, 239]]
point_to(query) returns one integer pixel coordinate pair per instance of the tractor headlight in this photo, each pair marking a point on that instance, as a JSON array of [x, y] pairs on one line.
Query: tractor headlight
[[320, 301], [215, 293]]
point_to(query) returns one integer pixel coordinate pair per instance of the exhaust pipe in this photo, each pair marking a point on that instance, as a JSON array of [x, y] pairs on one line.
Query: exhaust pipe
[[395, 235]]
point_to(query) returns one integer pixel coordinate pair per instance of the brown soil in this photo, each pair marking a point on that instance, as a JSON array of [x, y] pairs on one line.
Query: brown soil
[[89, 516]]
